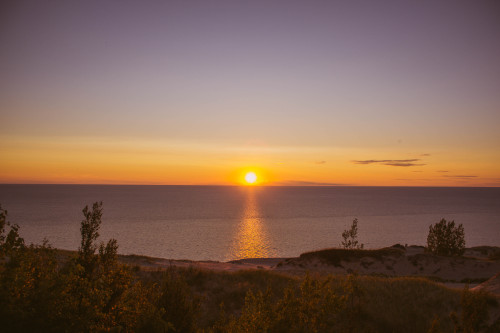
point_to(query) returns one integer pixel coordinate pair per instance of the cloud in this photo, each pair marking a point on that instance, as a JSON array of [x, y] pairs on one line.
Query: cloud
[[396, 163], [385, 161], [320, 162], [306, 183], [460, 176], [425, 154], [442, 171], [404, 164]]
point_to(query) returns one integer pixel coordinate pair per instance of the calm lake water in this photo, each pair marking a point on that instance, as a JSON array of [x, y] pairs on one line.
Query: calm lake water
[[224, 223]]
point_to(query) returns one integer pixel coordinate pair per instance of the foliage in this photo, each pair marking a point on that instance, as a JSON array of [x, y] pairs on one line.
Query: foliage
[[11, 242], [48, 290], [178, 304], [99, 292], [317, 305], [350, 237], [91, 292], [89, 230], [28, 282], [474, 311], [445, 238], [336, 256], [435, 326]]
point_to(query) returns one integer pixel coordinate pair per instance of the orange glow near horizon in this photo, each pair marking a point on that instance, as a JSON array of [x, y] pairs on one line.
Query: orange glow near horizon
[[90, 161]]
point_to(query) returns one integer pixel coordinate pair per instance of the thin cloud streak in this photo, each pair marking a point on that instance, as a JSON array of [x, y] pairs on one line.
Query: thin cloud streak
[[404, 164], [396, 163], [459, 176], [306, 183]]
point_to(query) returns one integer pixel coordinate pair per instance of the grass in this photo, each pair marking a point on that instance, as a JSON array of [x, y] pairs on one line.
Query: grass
[[336, 256], [218, 289], [406, 300], [409, 304], [379, 304]]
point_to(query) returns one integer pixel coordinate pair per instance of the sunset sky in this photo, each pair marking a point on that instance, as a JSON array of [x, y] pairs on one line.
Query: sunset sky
[[391, 93]]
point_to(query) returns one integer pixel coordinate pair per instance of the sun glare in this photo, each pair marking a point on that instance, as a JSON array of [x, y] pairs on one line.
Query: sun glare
[[250, 177]]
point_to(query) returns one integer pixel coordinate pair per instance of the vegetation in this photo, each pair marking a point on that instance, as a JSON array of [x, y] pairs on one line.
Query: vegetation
[[446, 239], [474, 315], [350, 237], [10, 242], [48, 290], [336, 256], [89, 292]]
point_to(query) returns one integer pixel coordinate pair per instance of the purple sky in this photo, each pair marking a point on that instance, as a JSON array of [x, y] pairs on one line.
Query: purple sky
[[382, 79]]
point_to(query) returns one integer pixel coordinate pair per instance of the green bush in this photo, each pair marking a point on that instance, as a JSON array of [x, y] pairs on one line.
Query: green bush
[[446, 239]]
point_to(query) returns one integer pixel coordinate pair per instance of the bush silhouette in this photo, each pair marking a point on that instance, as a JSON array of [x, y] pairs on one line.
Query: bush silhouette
[[10, 242], [350, 237], [446, 239]]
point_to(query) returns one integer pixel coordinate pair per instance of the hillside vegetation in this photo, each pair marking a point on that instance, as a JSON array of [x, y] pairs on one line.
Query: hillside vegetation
[[90, 290]]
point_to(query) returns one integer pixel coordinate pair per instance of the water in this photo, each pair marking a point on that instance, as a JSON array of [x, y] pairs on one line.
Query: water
[[224, 223]]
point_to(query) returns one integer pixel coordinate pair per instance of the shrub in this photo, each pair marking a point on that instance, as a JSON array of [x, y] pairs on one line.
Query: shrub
[[474, 311], [27, 292], [97, 292], [336, 256], [446, 239], [317, 305], [180, 307], [351, 237], [10, 242]]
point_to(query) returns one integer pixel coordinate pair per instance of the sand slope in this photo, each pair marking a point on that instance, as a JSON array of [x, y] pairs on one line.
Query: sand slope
[[475, 265], [404, 261], [492, 285]]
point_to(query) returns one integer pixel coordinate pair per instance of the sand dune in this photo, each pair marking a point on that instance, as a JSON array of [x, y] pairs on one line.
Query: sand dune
[[474, 267]]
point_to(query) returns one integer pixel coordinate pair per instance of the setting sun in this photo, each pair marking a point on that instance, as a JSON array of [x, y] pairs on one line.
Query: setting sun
[[250, 177]]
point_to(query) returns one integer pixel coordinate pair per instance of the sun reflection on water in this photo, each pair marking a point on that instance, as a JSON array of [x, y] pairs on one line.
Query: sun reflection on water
[[251, 239]]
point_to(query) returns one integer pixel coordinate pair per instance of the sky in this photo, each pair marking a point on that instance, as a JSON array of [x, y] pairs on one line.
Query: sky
[[365, 93]]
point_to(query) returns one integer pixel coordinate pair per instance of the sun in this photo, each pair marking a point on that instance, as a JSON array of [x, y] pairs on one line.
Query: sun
[[250, 177]]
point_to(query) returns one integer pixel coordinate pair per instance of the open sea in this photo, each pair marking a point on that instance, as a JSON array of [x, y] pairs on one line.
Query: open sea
[[225, 223]]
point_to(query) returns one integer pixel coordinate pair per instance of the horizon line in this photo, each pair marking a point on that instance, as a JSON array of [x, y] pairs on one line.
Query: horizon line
[[249, 186]]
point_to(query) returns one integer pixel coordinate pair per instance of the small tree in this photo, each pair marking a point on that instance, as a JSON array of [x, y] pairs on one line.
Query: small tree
[[89, 229], [446, 239], [99, 292], [9, 242], [351, 237]]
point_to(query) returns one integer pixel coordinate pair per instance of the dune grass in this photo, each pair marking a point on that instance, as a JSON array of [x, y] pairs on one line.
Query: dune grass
[[335, 256], [376, 304]]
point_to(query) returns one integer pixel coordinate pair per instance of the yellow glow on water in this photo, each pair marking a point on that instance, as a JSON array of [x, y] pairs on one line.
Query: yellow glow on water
[[251, 239]]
